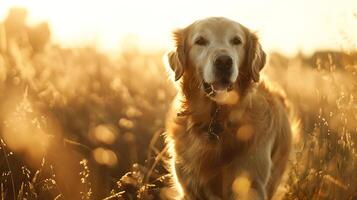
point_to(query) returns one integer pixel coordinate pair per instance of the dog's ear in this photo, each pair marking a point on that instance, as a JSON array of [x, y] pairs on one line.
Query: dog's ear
[[177, 59], [255, 56]]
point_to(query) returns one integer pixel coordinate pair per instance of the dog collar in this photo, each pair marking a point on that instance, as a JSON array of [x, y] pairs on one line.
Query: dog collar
[[214, 127]]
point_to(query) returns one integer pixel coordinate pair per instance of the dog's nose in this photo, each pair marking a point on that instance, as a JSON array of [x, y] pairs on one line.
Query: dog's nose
[[223, 63]]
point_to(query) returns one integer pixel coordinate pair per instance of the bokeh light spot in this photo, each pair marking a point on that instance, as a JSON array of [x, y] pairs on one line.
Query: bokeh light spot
[[105, 156], [126, 123], [241, 185], [104, 134], [245, 132]]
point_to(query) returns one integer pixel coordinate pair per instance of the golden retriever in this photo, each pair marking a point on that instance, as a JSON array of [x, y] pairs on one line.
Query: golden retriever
[[229, 134]]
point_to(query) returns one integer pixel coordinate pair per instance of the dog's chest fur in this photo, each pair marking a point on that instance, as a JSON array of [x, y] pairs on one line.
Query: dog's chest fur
[[203, 162]]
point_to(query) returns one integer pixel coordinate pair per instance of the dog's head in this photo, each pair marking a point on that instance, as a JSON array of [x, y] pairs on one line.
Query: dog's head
[[219, 52]]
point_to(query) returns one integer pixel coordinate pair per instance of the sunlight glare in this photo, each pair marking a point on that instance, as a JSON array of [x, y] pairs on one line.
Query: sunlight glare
[[282, 25]]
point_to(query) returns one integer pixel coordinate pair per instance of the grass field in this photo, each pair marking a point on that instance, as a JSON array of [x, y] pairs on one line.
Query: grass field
[[78, 124]]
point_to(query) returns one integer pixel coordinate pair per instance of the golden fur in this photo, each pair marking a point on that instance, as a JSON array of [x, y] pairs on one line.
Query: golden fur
[[248, 160]]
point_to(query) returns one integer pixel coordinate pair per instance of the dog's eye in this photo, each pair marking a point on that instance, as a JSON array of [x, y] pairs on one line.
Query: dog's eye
[[236, 41], [201, 41]]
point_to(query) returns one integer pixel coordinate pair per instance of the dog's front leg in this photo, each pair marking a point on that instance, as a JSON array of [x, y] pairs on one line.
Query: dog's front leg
[[251, 177]]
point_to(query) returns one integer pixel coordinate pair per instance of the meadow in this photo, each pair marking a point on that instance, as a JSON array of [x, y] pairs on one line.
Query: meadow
[[76, 123]]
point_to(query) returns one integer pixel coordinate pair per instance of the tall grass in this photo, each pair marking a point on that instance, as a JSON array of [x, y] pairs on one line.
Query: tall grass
[[76, 124]]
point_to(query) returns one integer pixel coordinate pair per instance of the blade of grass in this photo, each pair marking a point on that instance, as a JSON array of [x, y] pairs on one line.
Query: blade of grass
[[3, 145]]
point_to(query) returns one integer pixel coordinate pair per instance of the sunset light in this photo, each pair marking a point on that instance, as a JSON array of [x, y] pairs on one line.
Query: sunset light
[[285, 26], [164, 99]]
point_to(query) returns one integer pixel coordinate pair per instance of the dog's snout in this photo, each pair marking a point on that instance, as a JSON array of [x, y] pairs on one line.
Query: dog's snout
[[223, 62]]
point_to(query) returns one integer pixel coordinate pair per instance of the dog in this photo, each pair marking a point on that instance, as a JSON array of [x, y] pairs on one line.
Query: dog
[[229, 134]]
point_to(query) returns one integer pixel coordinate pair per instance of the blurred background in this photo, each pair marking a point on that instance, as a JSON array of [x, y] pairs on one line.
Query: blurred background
[[77, 123]]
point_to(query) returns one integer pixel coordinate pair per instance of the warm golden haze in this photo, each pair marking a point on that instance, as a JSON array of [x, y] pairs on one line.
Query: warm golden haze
[[77, 123], [284, 26]]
